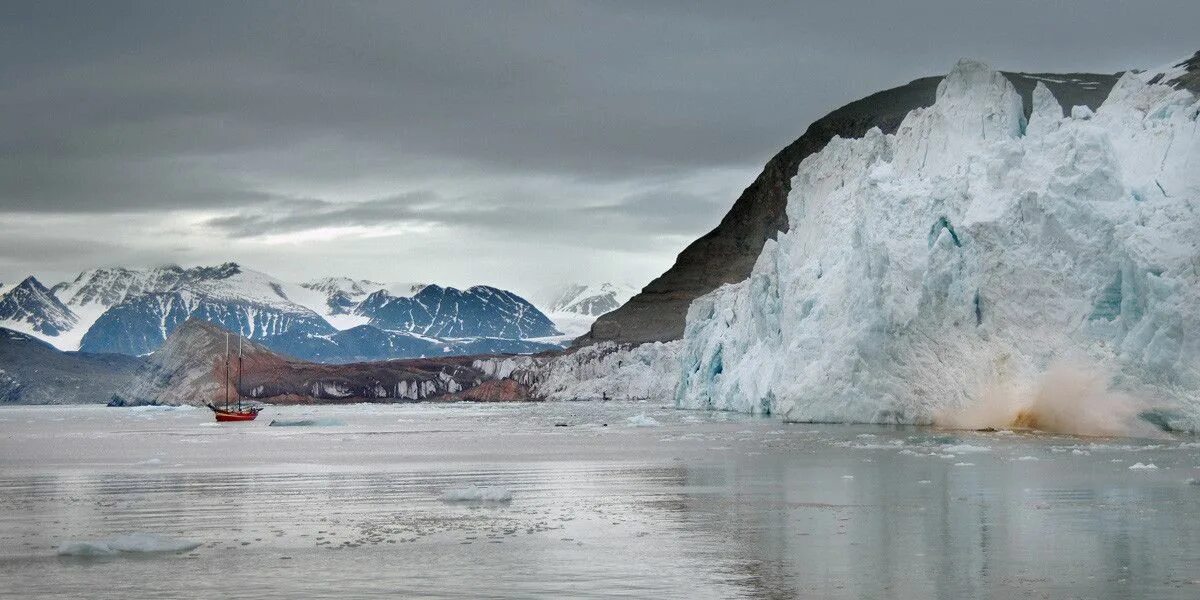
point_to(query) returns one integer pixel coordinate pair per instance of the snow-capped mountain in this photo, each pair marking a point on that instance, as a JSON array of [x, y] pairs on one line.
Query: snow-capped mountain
[[446, 312], [342, 294], [589, 300], [30, 307], [573, 307], [109, 286], [140, 325], [951, 265], [94, 291], [251, 303]]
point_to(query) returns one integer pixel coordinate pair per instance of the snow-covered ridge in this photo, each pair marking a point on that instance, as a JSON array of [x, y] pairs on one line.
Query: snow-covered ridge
[[950, 264]]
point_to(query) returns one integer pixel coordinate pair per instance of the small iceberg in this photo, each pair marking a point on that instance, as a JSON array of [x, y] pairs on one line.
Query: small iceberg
[[306, 423], [642, 421], [474, 493], [1141, 467], [130, 543]]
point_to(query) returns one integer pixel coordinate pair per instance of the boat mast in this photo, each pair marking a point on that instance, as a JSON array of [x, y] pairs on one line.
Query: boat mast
[[239, 379], [226, 371]]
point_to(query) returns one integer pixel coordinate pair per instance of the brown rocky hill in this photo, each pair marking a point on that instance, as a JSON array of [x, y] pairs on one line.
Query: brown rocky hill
[[189, 368]]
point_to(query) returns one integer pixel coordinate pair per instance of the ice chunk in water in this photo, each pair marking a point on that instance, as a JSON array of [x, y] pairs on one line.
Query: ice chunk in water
[[127, 543], [643, 421], [306, 423], [474, 493]]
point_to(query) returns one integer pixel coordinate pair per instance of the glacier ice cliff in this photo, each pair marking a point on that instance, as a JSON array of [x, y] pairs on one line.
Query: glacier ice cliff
[[603, 370], [970, 251]]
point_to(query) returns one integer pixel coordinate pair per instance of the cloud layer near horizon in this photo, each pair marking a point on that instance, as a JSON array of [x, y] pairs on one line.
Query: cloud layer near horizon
[[518, 144]]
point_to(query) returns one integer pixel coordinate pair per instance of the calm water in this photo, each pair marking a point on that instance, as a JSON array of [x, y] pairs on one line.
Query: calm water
[[702, 505]]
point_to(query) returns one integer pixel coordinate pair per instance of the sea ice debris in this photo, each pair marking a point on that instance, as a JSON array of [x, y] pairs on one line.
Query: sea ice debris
[[130, 543], [474, 493], [642, 421]]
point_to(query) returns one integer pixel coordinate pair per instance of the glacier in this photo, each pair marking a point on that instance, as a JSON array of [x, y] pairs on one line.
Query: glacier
[[599, 371], [959, 259]]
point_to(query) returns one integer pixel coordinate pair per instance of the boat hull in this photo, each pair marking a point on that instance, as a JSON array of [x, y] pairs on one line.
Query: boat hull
[[234, 415]]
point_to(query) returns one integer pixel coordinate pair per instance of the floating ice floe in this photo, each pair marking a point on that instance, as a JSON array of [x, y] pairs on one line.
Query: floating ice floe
[[1142, 467], [161, 408], [306, 423], [965, 449], [130, 543], [642, 421], [474, 493], [1028, 458]]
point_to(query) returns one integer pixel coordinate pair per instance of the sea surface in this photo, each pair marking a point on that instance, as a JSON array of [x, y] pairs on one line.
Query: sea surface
[[601, 499]]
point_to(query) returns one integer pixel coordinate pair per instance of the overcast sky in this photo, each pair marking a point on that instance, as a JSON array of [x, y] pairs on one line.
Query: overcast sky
[[516, 144]]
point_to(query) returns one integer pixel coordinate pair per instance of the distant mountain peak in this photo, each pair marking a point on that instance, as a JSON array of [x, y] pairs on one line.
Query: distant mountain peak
[[589, 299], [31, 307], [448, 312]]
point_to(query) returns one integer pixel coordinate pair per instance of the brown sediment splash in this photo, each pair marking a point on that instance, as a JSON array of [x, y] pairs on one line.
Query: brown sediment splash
[[1067, 398], [1025, 419]]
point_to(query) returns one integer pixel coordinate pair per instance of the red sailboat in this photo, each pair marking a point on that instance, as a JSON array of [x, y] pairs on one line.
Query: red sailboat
[[232, 413]]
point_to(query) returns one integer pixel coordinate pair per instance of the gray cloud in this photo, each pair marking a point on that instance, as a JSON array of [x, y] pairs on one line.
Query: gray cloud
[[492, 118]]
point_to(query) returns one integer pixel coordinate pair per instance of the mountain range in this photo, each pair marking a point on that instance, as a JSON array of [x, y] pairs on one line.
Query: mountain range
[[334, 319]]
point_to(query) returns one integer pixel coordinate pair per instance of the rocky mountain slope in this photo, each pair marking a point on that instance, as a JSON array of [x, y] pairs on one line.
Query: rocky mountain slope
[[189, 369], [34, 372], [728, 252]]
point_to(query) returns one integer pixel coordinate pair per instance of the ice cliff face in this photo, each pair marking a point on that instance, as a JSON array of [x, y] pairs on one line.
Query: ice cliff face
[[604, 370], [969, 250]]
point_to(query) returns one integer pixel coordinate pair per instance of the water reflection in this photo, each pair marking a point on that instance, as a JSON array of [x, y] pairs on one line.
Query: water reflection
[[697, 508]]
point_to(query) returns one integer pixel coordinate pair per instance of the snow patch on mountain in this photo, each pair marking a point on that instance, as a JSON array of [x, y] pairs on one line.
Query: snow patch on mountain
[[965, 254]]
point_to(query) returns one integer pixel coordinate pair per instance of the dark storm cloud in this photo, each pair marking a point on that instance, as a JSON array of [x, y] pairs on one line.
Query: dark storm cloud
[[241, 107]]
